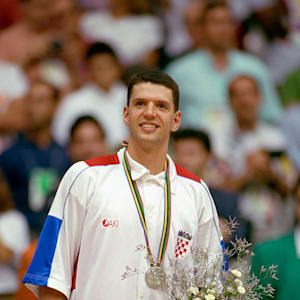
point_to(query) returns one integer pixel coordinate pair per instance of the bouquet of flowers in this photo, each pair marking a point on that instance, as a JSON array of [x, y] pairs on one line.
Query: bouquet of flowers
[[201, 276]]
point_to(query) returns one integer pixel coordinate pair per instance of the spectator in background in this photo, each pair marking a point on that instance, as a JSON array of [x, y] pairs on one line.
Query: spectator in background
[[193, 13], [103, 98], [192, 150], [255, 152], [34, 163], [35, 35], [283, 252], [129, 28], [14, 238], [268, 33], [87, 139], [203, 75], [13, 86], [172, 12]]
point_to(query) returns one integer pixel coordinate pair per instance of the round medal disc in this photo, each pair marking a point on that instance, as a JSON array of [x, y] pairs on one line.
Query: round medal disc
[[155, 278]]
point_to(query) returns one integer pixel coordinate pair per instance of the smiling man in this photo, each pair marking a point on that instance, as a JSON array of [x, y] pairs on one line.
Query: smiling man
[[106, 207]]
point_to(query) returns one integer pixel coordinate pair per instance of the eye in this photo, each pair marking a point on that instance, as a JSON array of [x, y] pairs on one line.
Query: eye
[[161, 105], [139, 103]]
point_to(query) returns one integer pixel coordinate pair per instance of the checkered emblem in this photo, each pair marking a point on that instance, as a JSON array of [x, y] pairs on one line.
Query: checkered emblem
[[183, 241]]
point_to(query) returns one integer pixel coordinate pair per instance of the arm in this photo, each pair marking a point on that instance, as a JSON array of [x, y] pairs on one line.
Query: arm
[[58, 246], [50, 294]]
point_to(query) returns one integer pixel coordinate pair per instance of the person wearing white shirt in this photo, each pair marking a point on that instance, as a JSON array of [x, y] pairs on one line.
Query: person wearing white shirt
[[103, 98], [128, 26], [107, 207]]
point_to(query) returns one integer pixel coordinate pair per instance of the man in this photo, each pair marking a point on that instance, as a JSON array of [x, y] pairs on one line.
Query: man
[[259, 168], [34, 163], [87, 139], [283, 252], [203, 75], [108, 206]]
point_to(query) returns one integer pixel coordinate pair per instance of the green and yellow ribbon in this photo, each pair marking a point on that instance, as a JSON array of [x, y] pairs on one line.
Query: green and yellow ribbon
[[140, 210]]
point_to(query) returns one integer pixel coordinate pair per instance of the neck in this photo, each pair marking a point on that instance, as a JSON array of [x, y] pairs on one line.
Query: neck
[[246, 125], [220, 58], [151, 158], [42, 138], [119, 11]]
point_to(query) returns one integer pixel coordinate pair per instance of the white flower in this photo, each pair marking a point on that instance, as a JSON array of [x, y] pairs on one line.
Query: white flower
[[213, 284], [193, 290], [236, 273], [229, 289], [238, 282], [210, 297], [211, 291], [241, 290], [197, 298]]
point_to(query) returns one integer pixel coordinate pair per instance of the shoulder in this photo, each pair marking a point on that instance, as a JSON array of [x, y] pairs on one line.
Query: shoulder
[[84, 91], [112, 159], [182, 172], [12, 216], [185, 62], [93, 17], [14, 151], [247, 59], [83, 167]]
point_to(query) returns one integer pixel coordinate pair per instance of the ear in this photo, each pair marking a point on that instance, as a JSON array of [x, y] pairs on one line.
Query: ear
[[176, 121], [126, 115]]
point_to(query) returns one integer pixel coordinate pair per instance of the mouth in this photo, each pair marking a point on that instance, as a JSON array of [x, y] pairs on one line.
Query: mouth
[[148, 126]]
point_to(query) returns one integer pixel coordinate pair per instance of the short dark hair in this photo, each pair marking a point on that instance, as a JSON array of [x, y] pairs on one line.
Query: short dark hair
[[243, 76], [100, 48], [192, 133], [156, 77], [82, 119], [210, 5]]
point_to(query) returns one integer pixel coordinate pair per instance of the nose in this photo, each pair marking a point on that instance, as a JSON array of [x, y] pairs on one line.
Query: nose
[[149, 111]]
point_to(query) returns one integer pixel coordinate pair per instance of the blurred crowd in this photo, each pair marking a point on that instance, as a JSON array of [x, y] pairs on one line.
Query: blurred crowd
[[64, 67]]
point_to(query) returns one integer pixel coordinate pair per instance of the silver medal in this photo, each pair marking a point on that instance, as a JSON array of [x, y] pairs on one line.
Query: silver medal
[[155, 278]]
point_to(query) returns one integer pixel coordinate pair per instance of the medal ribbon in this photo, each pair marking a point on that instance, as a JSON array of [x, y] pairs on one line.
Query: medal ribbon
[[140, 209]]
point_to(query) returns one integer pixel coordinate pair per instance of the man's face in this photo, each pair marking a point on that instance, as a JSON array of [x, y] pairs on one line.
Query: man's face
[[218, 28], [191, 154], [150, 115], [87, 142], [244, 99], [104, 70], [38, 13], [39, 106]]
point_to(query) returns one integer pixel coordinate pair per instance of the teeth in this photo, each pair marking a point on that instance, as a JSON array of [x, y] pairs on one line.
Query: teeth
[[148, 126]]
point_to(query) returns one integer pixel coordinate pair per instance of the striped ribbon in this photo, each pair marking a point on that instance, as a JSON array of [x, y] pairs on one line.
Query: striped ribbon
[[140, 209]]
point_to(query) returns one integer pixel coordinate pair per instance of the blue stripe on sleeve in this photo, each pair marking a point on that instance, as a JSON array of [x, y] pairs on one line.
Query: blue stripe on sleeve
[[40, 267]]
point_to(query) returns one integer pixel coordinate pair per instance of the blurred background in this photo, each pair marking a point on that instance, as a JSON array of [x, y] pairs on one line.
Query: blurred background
[[64, 68]]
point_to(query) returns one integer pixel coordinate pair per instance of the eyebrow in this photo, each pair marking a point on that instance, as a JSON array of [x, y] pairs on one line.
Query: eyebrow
[[152, 99]]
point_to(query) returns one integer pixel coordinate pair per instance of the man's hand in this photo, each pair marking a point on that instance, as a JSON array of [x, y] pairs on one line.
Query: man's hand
[[51, 294]]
